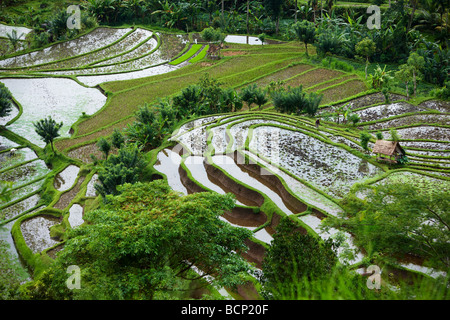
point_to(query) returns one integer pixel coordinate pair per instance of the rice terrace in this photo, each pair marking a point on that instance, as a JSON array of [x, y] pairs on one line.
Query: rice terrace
[[224, 150]]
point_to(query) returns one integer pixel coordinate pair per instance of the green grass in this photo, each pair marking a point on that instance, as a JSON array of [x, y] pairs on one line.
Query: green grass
[[193, 50], [342, 90]]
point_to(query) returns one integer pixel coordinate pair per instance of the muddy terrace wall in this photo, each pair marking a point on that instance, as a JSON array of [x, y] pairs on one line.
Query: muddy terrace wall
[[270, 180], [252, 197]]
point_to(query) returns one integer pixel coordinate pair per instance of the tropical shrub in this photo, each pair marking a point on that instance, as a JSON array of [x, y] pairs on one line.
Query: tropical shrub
[[289, 260], [295, 100], [327, 42], [364, 139], [144, 244], [5, 101], [442, 93]]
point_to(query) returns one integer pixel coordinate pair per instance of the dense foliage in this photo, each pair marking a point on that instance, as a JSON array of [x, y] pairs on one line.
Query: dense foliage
[[5, 101], [125, 167], [144, 244], [400, 218], [294, 256], [144, 240]]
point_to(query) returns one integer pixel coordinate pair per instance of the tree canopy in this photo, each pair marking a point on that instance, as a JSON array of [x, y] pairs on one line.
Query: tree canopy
[[401, 218], [294, 256], [306, 32], [144, 243]]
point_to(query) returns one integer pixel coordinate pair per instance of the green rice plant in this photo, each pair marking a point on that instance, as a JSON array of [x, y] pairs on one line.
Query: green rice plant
[[201, 55], [193, 50]]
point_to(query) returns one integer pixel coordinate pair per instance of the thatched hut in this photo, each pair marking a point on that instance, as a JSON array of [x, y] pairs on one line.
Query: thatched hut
[[389, 151]]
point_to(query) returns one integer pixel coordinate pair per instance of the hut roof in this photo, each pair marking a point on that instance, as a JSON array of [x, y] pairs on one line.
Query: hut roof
[[385, 147]]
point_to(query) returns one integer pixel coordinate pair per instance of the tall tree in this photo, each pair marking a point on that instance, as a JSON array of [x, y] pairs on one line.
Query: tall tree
[[289, 260], [247, 17], [48, 130], [414, 4], [365, 48], [306, 32], [313, 5], [416, 62], [273, 8], [404, 74]]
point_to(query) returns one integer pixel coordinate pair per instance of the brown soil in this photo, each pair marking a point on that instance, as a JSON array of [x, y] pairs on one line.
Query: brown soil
[[83, 153], [245, 217], [250, 197], [68, 196], [190, 185], [233, 53], [272, 182]]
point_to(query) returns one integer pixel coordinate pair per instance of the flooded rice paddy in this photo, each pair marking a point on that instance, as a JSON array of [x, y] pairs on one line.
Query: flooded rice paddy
[[62, 99], [314, 166]]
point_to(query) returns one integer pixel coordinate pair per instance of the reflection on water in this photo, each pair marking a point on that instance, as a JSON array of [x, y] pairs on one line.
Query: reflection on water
[[76, 215], [243, 40]]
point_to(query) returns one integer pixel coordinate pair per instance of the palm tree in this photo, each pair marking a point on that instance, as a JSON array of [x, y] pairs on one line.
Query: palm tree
[[248, 12], [306, 32], [48, 129], [260, 98]]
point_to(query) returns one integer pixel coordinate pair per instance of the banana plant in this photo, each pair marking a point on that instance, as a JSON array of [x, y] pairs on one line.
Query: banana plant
[[14, 38], [171, 13]]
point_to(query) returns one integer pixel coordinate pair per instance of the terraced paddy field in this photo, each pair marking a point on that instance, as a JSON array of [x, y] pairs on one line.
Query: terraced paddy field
[[275, 164]]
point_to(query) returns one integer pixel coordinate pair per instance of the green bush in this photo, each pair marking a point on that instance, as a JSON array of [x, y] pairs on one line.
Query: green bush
[[442, 93], [337, 64], [295, 100], [5, 101], [327, 42]]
